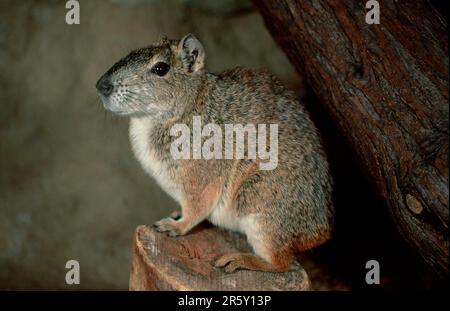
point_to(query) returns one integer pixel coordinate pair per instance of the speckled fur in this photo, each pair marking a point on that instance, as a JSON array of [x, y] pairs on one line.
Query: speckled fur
[[282, 211]]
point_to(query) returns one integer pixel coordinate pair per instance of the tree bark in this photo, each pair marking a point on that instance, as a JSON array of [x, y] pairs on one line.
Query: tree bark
[[386, 88]]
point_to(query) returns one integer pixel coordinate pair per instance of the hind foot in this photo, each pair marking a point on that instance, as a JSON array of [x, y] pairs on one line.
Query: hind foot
[[248, 261]]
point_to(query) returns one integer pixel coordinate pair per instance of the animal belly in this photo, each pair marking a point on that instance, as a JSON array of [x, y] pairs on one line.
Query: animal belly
[[223, 216]]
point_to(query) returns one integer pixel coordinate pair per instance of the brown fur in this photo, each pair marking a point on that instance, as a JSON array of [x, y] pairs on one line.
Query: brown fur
[[282, 211]]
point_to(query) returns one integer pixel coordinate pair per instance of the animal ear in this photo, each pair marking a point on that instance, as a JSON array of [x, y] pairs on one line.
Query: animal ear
[[192, 53]]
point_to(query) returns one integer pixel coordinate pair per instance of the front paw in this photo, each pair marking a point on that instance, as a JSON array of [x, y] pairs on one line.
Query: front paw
[[168, 225], [175, 215]]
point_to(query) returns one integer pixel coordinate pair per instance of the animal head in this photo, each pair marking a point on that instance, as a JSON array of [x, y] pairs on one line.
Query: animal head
[[153, 80]]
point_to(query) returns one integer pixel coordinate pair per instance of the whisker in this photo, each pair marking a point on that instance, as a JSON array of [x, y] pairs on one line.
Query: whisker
[[136, 84], [137, 101]]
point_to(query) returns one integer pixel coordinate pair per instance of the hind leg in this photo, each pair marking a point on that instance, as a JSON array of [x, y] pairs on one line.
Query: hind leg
[[268, 255], [250, 261]]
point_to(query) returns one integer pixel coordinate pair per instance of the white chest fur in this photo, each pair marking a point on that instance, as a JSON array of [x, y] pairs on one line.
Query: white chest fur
[[140, 131]]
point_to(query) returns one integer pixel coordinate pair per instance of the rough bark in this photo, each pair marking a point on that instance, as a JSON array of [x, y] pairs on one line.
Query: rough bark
[[386, 88], [186, 263]]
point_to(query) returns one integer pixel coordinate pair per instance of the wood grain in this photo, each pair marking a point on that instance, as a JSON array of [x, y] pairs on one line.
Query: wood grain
[[186, 263]]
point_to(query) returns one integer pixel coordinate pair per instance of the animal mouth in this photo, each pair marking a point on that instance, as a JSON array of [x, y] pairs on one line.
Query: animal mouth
[[106, 91]]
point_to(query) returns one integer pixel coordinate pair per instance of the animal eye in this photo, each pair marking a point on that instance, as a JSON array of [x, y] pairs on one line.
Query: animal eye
[[160, 69]]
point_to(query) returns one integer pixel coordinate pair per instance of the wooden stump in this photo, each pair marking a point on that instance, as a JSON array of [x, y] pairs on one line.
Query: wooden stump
[[187, 263]]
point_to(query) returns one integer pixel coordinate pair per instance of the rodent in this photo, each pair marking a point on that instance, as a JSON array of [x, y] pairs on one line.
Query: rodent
[[281, 211]]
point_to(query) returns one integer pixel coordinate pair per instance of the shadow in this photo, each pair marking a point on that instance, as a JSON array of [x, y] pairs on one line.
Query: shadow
[[364, 229]]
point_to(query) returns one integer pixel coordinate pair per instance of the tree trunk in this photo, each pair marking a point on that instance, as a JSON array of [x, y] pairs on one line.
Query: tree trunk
[[386, 88]]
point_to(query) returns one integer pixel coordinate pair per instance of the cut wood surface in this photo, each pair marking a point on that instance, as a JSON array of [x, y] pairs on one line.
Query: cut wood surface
[[186, 262], [386, 88]]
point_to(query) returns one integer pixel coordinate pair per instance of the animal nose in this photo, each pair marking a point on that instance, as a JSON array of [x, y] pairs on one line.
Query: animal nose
[[105, 87]]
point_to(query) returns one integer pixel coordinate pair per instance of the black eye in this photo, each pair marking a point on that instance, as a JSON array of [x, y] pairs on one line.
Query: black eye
[[160, 69]]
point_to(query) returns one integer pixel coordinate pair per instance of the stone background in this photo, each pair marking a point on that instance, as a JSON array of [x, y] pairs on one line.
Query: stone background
[[69, 185]]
